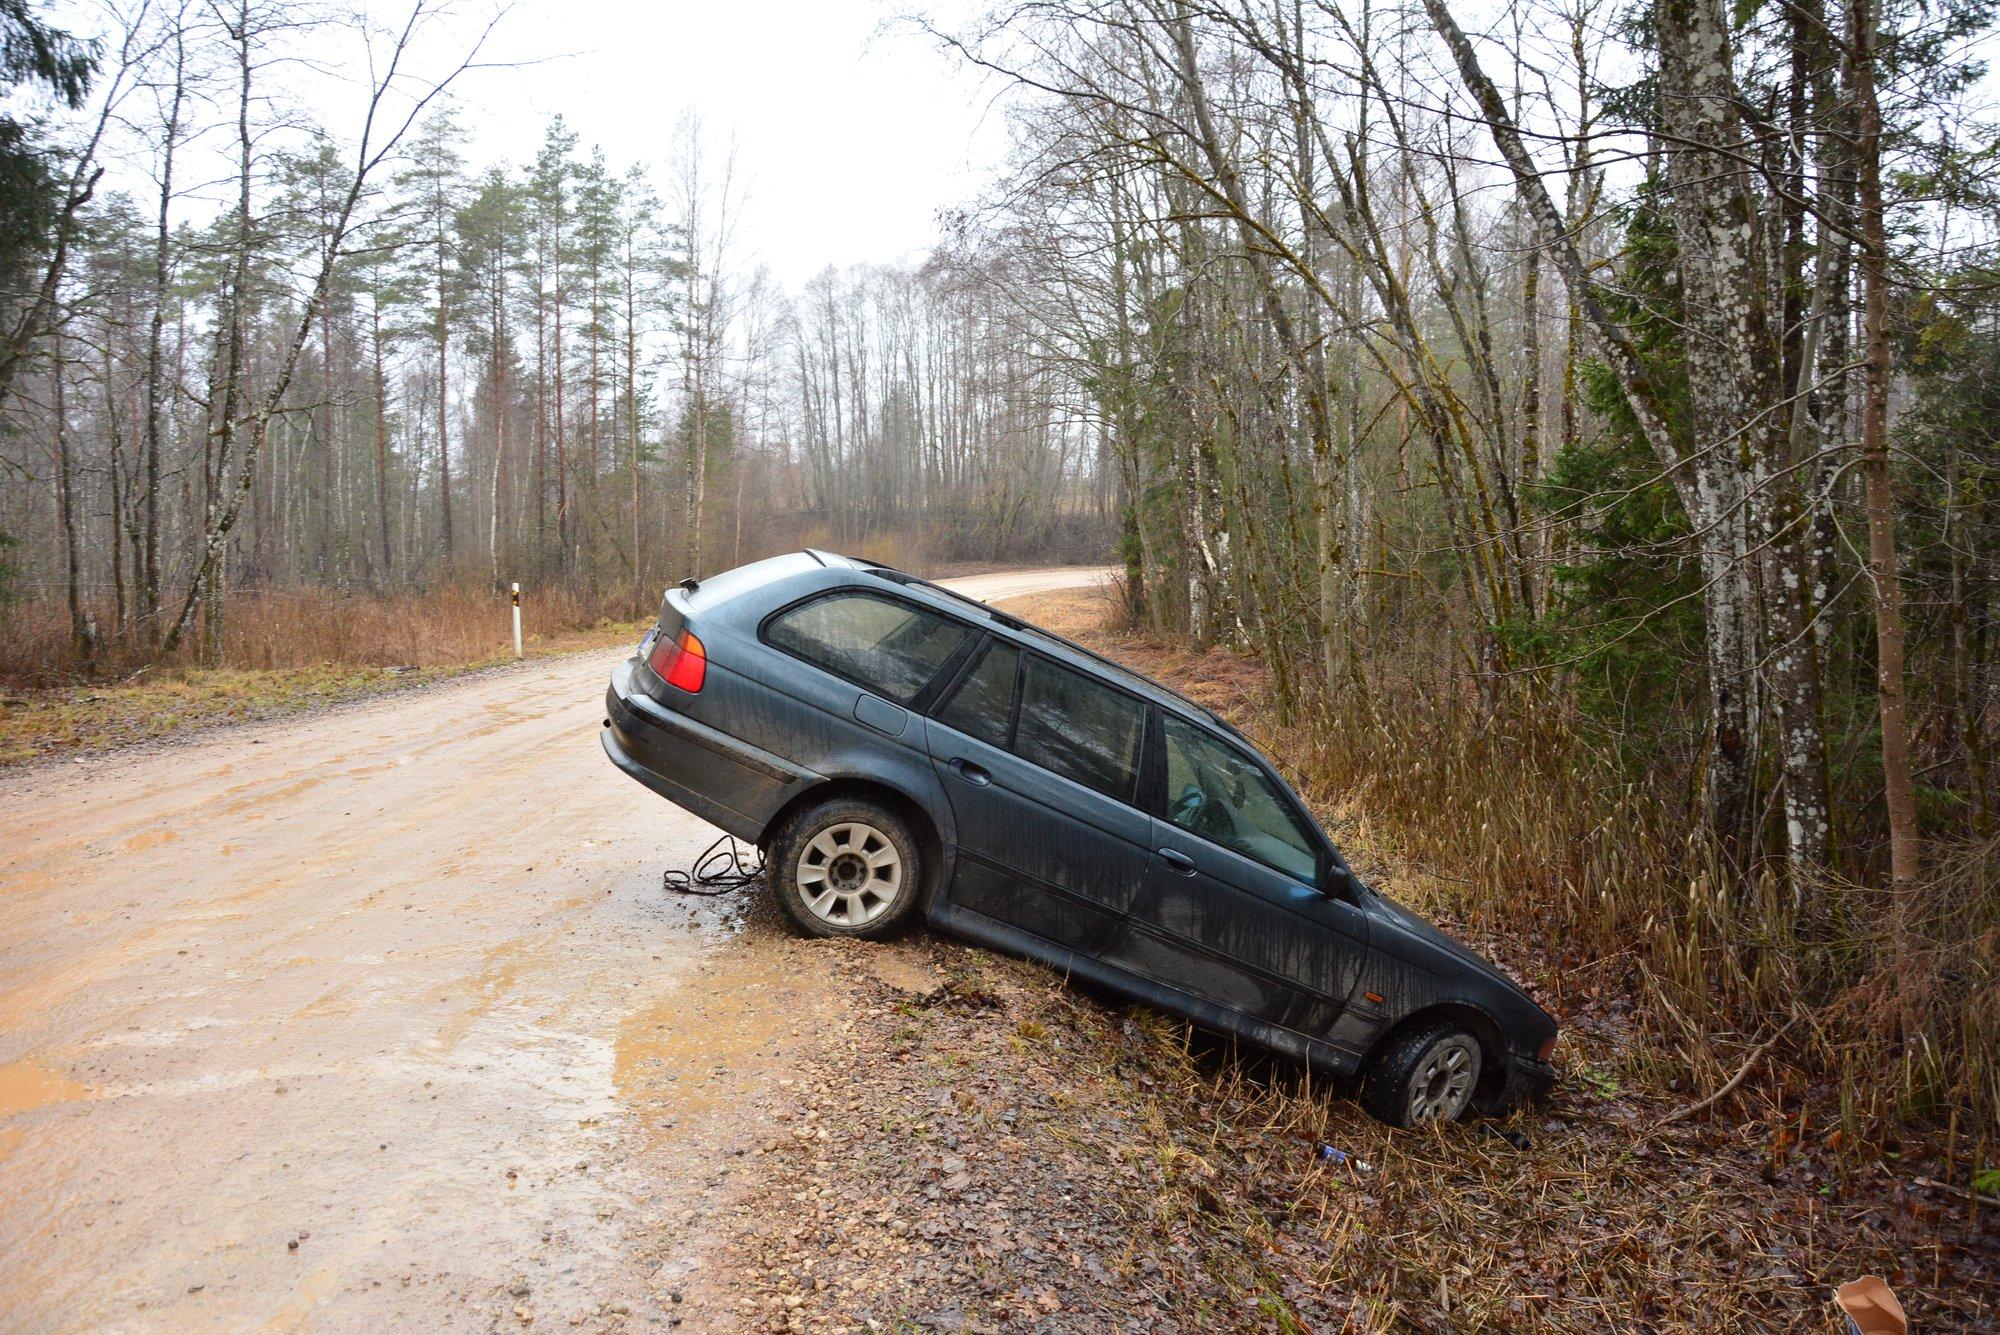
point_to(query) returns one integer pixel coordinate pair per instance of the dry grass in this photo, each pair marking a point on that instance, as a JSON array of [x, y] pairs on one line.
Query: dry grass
[[444, 627], [283, 652], [1597, 1223], [1149, 1178], [1898, 1005]]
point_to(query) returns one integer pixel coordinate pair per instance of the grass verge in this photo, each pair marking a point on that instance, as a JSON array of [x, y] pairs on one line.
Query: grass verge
[[38, 723], [1006, 1153]]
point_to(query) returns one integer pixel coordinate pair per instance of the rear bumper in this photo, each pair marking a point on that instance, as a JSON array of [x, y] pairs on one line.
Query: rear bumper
[[727, 782]]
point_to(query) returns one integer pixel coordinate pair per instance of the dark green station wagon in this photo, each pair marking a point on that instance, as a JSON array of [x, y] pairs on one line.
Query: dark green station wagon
[[900, 751]]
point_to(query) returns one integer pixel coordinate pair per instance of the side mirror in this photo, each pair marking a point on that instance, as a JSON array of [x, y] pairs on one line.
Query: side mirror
[[1337, 882]]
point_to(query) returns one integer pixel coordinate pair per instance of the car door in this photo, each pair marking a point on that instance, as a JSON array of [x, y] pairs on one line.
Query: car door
[[1041, 765], [1231, 910]]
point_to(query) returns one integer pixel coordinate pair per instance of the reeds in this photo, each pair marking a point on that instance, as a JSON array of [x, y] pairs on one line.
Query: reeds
[[1528, 829]]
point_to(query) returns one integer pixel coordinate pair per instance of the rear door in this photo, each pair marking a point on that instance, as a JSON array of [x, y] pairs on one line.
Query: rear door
[[1232, 910], [1041, 765]]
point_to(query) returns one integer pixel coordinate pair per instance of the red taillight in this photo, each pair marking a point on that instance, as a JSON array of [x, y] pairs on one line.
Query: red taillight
[[681, 663]]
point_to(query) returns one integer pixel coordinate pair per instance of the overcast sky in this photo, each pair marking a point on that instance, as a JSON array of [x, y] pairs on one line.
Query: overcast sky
[[850, 135]]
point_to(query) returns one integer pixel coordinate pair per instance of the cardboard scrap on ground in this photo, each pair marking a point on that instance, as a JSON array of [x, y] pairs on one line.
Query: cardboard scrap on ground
[[1871, 1307]]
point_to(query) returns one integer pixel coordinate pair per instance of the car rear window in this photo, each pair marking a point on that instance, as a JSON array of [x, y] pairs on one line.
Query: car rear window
[[890, 647], [1080, 729], [983, 705]]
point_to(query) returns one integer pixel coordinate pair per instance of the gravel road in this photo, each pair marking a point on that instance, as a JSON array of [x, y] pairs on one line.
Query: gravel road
[[376, 1018]]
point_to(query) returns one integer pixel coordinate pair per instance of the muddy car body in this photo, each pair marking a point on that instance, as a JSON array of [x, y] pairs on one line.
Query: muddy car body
[[898, 751]]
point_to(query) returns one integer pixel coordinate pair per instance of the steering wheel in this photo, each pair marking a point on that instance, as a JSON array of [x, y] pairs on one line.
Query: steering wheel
[[1188, 805]]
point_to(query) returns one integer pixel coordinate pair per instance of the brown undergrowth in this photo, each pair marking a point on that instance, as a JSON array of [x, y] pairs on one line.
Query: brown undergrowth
[[286, 653], [264, 631], [1890, 1008], [1001, 1152]]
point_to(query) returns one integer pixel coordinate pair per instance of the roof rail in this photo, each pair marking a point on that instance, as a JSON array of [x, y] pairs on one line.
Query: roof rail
[[1013, 622], [1071, 645], [903, 577]]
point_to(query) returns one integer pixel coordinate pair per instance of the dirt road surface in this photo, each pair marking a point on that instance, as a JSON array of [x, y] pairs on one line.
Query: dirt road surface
[[378, 1018]]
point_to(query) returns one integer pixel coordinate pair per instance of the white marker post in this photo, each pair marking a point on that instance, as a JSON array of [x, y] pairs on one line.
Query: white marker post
[[517, 618]]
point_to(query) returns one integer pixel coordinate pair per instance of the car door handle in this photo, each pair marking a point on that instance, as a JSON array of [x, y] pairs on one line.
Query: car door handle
[[1177, 861], [968, 771]]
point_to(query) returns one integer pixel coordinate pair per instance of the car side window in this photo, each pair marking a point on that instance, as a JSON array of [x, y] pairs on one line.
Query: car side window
[[1080, 728], [890, 647], [1219, 793], [983, 704]]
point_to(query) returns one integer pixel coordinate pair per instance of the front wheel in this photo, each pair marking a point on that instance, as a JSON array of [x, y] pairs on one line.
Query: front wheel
[[846, 867], [1427, 1074]]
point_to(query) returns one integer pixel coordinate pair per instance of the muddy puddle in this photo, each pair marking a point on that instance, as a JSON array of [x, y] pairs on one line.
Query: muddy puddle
[[25, 1085]]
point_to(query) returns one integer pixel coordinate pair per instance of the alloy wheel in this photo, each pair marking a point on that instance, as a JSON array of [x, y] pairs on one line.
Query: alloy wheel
[[1442, 1086], [849, 874]]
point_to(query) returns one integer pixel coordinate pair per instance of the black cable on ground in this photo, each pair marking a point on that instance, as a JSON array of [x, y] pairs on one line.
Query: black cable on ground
[[724, 867]]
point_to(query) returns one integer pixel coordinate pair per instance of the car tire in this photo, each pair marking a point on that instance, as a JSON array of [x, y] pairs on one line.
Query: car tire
[[846, 867], [1430, 1071]]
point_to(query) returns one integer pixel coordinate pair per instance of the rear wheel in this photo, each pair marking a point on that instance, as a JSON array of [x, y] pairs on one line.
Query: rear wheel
[[1427, 1074], [846, 867]]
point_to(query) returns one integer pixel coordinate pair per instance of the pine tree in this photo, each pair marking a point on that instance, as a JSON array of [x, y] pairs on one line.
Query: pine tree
[[491, 230], [432, 190], [550, 204]]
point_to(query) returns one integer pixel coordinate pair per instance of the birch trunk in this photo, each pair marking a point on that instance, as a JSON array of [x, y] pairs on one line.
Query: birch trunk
[[381, 448], [1726, 356]]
